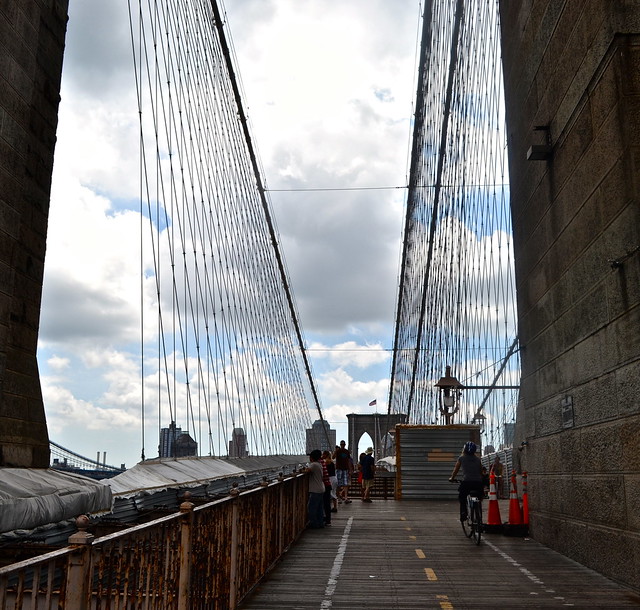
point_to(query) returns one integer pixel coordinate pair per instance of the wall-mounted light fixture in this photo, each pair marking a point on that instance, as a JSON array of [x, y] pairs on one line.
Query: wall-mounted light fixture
[[618, 262], [541, 152]]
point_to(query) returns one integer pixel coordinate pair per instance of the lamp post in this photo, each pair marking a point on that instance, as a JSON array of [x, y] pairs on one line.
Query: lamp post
[[479, 419], [449, 389]]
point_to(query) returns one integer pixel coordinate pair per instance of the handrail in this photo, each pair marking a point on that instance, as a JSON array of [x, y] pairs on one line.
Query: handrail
[[209, 556], [29, 563]]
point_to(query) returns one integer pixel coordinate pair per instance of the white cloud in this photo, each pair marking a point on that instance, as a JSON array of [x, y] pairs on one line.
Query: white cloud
[[64, 409], [339, 387], [92, 285], [58, 364], [350, 353], [312, 80]]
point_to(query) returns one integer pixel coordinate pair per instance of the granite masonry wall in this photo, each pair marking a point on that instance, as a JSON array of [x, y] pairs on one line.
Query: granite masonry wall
[[572, 83], [32, 36]]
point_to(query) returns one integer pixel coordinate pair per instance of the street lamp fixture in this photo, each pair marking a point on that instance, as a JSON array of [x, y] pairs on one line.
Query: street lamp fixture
[[479, 419], [449, 389]]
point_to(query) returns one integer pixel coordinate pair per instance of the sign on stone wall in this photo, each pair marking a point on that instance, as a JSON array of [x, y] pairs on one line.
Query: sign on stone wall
[[567, 412]]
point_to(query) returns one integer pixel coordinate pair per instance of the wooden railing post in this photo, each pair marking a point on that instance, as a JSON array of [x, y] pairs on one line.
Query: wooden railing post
[[233, 572], [280, 515], [77, 585], [264, 526], [184, 586]]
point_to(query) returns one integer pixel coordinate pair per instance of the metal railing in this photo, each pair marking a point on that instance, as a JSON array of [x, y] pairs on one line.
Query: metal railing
[[384, 486], [210, 556]]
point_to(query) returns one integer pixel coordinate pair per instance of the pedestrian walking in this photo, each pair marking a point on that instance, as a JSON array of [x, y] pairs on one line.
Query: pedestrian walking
[[316, 490], [344, 468], [326, 496], [333, 479], [368, 469], [498, 470]]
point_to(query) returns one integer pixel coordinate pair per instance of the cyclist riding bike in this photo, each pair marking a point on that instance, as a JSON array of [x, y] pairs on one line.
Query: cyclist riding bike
[[471, 467]]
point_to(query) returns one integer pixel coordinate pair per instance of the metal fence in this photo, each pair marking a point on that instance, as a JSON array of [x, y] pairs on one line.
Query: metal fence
[[425, 457], [384, 486], [508, 465], [210, 556]]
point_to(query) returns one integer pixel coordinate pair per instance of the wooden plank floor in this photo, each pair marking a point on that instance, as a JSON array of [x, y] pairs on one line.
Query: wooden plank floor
[[413, 554]]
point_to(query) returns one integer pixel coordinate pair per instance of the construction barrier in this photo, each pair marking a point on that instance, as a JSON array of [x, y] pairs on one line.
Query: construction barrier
[[518, 523]]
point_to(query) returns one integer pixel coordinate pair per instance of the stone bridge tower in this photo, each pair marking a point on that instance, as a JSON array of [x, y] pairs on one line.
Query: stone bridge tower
[[32, 34], [572, 83], [377, 425]]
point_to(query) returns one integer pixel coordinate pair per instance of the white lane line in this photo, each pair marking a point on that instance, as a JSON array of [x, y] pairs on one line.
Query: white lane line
[[337, 566], [530, 575], [512, 561]]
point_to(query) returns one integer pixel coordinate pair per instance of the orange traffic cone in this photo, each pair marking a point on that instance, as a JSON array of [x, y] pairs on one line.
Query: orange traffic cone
[[525, 500], [515, 514], [493, 517]]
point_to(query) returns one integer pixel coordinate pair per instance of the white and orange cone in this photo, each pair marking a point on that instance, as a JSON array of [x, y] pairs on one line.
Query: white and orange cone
[[515, 514], [493, 516]]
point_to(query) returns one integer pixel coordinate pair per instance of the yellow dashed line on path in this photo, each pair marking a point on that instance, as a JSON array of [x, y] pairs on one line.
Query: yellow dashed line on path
[[431, 575], [403, 518], [445, 604]]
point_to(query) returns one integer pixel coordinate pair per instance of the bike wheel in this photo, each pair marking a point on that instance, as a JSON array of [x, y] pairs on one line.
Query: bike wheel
[[476, 526], [467, 523], [467, 527]]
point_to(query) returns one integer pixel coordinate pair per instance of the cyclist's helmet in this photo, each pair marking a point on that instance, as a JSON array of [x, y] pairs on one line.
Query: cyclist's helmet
[[470, 448]]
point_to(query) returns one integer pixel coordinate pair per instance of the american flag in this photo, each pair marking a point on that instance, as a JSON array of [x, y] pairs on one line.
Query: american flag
[[373, 403]]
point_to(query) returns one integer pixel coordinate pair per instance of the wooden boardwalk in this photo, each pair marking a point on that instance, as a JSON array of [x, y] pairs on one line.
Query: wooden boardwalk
[[413, 554]]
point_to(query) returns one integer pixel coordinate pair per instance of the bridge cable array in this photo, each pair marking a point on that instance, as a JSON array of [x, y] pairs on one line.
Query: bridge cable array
[[228, 352], [456, 299]]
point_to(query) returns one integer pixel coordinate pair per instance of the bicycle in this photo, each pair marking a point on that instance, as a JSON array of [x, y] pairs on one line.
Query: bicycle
[[472, 525]]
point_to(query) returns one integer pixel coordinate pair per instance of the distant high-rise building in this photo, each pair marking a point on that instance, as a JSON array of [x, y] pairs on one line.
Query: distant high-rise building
[[509, 432], [317, 438], [176, 443], [185, 446], [238, 443]]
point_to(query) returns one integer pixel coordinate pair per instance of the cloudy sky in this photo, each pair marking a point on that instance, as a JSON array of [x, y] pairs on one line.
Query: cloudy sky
[[328, 89]]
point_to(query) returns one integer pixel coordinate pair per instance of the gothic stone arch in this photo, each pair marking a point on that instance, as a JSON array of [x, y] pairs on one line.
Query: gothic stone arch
[[376, 425]]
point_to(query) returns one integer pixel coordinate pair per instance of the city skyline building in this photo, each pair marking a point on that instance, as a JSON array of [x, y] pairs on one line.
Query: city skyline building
[[238, 443], [317, 437], [176, 443]]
